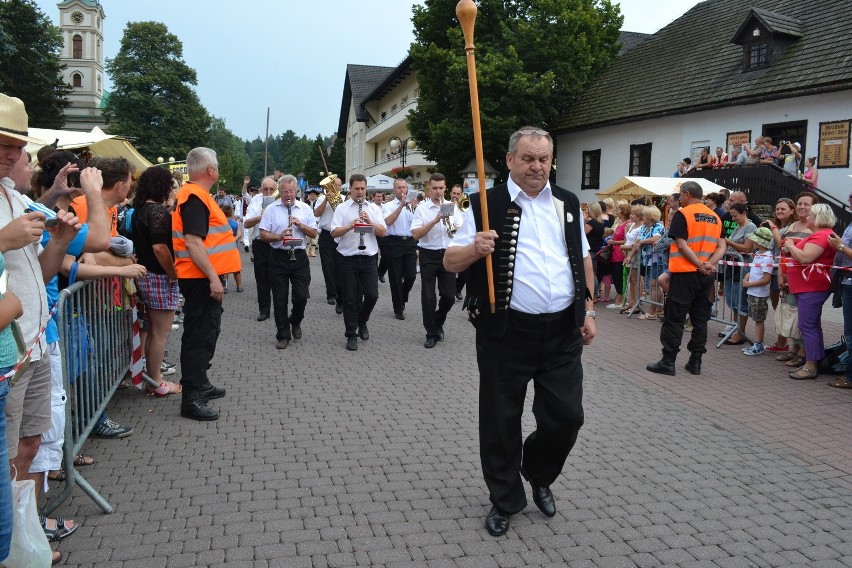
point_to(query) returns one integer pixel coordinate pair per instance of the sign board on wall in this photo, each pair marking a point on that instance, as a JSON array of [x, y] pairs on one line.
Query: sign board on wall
[[834, 144], [736, 140], [179, 168]]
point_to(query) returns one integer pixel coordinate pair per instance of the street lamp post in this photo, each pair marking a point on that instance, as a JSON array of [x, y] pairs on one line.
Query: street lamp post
[[401, 146]]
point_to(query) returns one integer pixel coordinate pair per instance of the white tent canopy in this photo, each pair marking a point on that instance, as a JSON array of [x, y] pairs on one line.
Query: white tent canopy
[[380, 182], [631, 187], [99, 142]]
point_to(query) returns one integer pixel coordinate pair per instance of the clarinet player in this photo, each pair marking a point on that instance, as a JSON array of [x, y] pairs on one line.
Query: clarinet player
[[288, 219], [358, 250]]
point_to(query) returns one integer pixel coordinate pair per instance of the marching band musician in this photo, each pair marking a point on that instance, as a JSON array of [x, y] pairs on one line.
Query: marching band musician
[[544, 315], [357, 258], [289, 218], [328, 252], [456, 194], [432, 228], [260, 250], [400, 247]]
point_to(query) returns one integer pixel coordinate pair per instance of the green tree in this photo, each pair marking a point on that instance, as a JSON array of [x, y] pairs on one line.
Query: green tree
[[231, 151], [153, 100], [30, 46], [533, 58], [313, 165], [337, 157]]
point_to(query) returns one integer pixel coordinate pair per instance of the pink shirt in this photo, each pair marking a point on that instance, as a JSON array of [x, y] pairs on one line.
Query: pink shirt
[[618, 235]]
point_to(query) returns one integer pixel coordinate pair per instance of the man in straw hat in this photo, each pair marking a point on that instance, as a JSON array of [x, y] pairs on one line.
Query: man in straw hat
[[26, 407]]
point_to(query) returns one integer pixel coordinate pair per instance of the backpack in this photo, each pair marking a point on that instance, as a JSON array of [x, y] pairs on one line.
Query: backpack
[[835, 359], [125, 222]]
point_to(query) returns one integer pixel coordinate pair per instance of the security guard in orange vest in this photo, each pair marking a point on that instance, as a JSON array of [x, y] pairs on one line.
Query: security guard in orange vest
[[204, 250], [697, 245]]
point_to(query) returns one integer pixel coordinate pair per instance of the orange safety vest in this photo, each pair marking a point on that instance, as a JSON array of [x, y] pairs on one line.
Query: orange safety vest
[[703, 229], [219, 243]]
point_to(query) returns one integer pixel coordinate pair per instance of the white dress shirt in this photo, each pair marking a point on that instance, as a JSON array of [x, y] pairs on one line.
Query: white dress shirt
[[255, 209], [402, 226], [346, 212], [324, 220], [543, 281], [275, 220], [436, 238]]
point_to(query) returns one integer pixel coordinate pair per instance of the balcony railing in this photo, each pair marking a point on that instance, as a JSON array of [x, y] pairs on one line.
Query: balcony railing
[[392, 113]]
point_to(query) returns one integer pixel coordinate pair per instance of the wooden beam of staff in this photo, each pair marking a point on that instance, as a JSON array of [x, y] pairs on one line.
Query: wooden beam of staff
[[466, 13]]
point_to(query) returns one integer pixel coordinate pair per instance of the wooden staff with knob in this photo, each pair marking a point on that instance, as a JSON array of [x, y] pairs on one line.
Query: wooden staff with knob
[[466, 13]]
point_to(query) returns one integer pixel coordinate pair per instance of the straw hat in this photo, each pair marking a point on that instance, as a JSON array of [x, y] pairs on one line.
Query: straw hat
[[14, 120]]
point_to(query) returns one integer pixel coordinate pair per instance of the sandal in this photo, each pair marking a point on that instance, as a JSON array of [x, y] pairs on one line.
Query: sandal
[[840, 383], [57, 557], [59, 531], [56, 475], [648, 317], [796, 361], [739, 341], [80, 460], [165, 388], [788, 356], [803, 374]]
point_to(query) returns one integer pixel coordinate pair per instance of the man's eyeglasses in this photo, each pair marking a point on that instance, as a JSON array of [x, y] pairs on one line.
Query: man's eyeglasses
[[528, 132]]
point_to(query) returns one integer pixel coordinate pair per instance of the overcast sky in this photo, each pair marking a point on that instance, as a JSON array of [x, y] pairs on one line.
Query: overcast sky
[[291, 55]]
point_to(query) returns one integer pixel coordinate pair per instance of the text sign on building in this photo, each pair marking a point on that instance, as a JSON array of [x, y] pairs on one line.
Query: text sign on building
[[179, 168], [736, 140], [834, 144]]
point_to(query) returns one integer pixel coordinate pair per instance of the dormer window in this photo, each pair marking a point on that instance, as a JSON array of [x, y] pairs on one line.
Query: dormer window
[[764, 36]]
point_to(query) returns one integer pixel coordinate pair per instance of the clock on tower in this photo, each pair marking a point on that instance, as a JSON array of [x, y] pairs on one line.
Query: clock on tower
[[77, 17]]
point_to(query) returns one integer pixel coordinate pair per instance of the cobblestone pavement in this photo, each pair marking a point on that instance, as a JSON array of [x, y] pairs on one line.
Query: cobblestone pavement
[[329, 458]]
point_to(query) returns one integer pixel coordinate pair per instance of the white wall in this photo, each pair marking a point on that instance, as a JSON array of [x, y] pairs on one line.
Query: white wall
[[672, 137]]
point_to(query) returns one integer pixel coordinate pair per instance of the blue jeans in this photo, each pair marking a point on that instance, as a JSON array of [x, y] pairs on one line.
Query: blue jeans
[[5, 481], [847, 326]]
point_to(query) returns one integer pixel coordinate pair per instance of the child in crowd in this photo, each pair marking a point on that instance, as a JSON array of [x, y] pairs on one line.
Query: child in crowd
[[756, 282], [228, 210]]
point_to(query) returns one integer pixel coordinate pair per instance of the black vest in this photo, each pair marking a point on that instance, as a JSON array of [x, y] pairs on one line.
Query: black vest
[[505, 217]]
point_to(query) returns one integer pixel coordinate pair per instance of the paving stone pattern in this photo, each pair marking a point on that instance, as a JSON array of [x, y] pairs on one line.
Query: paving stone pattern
[[329, 458]]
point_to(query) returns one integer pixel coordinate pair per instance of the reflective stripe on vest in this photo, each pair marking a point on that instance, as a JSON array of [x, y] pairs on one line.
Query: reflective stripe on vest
[[703, 229], [219, 244]]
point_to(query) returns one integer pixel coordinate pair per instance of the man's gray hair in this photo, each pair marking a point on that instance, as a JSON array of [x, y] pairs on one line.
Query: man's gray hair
[[270, 178], [287, 179], [531, 131], [693, 188], [199, 159]]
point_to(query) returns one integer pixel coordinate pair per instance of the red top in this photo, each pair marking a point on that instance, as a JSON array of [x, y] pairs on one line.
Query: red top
[[618, 235], [816, 276]]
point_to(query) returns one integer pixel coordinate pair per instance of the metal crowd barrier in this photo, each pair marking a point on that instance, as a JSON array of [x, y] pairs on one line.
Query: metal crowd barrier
[[650, 291], [95, 321], [734, 299]]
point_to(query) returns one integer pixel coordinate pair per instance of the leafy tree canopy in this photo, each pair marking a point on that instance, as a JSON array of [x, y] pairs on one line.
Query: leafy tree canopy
[[30, 46], [153, 99], [533, 58]]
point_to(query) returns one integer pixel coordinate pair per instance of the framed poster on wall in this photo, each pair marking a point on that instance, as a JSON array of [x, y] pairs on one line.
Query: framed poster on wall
[[736, 140], [834, 144]]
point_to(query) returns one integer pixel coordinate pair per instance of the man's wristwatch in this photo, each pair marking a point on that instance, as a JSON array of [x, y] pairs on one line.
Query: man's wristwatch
[[590, 314]]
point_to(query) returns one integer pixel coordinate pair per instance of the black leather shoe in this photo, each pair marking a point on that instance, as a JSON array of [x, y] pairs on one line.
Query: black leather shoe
[[352, 344], [331, 301], [400, 315], [338, 309], [662, 367], [210, 392], [263, 317], [430, 343], [441, 334], [694, 364], [497, 522], [382, 279], [297, 332], [283, 344], [363, 332], [459, 297], [195, 407], [542, 497]]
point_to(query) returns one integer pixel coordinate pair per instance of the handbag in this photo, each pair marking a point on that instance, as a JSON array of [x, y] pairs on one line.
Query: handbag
[[29, 548], [23, 360]]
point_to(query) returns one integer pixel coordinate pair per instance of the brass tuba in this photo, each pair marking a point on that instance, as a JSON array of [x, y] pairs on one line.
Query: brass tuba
[[332, 194]]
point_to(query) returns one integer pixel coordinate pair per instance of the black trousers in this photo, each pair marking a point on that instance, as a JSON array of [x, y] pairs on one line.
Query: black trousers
[[360, 277], [461, 280], [261, 251], [382, 260], [282, 273], [689, 293], [432, 271], [202, 319], [401, 254], [330, 262], [545, 348]]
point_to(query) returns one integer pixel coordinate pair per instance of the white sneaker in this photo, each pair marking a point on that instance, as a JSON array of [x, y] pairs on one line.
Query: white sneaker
[[613, 306]]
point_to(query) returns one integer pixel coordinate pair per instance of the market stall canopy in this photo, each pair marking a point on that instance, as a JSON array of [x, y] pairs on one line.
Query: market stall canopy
[[632, 187], [380, 182], [100, 143]]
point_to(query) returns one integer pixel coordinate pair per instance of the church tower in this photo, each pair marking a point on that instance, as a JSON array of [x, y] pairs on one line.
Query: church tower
[[81, 23]]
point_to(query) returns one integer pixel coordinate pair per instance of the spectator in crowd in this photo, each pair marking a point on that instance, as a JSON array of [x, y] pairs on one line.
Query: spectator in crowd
[[632, 256], [607, 212], [705, 160], [729, 225], [809, 279], [778, 226], [811, 174], [843, 245], [768, 152], [789, 155], [158, 288], [756, 283], [680, 169], [688, 163], [616, 259], [222, 199], [735, 297], [228, 210], [721, 159], [594, 229], [739, 156], [651, 262]]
